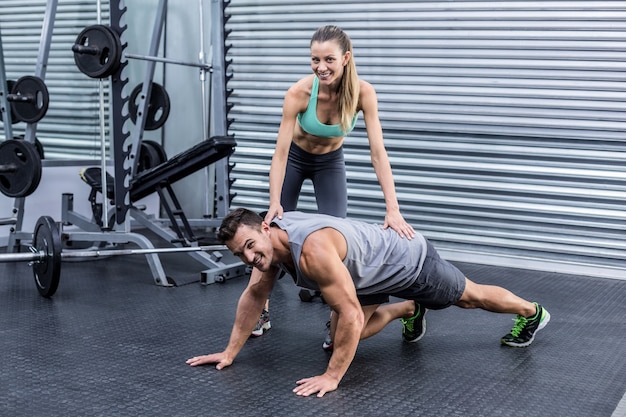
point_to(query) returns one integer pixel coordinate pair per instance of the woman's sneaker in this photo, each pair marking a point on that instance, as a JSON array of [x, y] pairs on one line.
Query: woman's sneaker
[[328, 341], [414, 328], [262, 325], [525, 328]]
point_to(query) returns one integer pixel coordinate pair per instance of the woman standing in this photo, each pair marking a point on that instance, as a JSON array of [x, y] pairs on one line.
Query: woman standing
[[318, 112]]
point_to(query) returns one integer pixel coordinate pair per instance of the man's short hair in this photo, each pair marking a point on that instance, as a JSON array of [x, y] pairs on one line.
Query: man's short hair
[[235, 219]]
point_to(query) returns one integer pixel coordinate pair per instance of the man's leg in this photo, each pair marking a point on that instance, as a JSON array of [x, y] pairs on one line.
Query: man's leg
[[531, 317], [495, 299], [377, 316]]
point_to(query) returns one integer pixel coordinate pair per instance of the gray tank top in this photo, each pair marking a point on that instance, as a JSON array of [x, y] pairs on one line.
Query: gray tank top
[[379, 261]]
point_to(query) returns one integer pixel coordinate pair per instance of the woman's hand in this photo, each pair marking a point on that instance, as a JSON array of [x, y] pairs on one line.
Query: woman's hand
[[275, 210], [396, 222]]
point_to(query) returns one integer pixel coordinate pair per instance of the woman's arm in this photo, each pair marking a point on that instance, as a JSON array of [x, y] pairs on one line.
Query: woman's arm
[[292, 105], [380, 162]]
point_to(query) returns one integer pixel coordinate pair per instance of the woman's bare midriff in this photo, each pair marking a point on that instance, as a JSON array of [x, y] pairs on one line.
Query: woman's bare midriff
[[314, 144]]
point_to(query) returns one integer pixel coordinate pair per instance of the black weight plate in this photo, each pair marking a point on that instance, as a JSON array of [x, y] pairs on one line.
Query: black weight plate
[[29, 99], [97, 51], [148, 157], [23, 156], [158, 149], [14, 118], [158, 107], [38, 145], [47, 241]]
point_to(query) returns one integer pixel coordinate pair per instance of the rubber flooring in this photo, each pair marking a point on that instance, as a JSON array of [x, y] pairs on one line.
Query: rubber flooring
[[112, 343]]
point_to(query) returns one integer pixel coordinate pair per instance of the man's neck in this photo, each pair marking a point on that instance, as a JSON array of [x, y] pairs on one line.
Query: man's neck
[[280, 243]]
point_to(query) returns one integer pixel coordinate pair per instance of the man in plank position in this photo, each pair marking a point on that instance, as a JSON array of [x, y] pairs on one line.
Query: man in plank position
[[356, 266]]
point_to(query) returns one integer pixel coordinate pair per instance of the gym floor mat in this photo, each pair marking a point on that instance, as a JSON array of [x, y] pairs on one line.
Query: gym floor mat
[[112, 343]]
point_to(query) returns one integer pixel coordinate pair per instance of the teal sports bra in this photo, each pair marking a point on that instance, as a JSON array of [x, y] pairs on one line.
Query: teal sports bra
[[311, 124]]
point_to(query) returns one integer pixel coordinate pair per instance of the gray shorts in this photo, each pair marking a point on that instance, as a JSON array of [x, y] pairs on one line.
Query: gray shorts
[[439, 285]]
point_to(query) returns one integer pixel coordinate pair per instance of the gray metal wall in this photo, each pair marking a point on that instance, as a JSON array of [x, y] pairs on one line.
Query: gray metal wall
[[504, 121]]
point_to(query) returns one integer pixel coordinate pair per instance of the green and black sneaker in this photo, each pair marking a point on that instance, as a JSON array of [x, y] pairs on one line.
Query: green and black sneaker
[[525, 328], [414, 328]]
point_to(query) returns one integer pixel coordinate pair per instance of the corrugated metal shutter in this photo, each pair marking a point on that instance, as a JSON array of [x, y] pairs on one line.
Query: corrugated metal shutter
[[504, 121], [71, 127]]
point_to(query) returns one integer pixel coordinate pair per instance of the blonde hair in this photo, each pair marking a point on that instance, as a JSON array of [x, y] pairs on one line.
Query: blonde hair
[[349, 88]]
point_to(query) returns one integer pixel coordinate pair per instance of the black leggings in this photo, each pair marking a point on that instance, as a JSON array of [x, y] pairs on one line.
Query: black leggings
[[328, 174]]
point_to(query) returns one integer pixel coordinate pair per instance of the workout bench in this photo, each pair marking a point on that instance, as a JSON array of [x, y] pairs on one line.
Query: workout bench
[[159, 179]]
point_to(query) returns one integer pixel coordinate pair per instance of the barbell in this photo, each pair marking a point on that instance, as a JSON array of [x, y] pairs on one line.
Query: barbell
[[98, 53], [45, 254]]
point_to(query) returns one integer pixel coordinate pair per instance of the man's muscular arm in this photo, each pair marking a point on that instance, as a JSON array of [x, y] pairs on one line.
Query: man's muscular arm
[[249, 309], [321, 260]]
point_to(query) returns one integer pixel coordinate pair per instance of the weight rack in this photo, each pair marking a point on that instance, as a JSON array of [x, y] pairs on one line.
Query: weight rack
[[127, 142], [125, 170]]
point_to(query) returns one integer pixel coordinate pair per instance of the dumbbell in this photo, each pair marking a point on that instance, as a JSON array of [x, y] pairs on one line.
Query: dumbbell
[[308, 296]]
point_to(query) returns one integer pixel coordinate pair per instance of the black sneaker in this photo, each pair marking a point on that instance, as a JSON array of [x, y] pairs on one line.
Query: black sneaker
[[414, 328], [328, 341], [525, 328]]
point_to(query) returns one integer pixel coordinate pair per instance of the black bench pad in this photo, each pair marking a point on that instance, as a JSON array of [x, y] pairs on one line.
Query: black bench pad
[[182, 165], [179, 166]]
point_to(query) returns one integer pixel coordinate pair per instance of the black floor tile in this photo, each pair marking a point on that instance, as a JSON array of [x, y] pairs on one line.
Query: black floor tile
[[111, 343]]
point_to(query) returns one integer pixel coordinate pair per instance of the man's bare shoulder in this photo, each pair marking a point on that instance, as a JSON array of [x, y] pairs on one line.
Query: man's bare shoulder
[[324, 241]]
